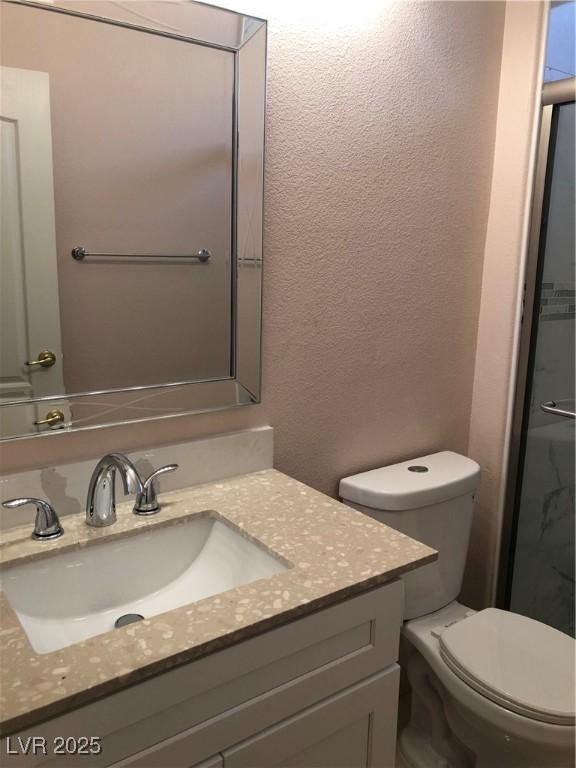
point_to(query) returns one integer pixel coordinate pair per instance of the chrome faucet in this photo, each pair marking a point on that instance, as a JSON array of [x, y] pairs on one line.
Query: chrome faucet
[[47, 525], [147, 501], [101, 501]]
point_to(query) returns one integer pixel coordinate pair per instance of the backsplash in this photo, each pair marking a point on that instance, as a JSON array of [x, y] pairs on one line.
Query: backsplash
[[200, 461]]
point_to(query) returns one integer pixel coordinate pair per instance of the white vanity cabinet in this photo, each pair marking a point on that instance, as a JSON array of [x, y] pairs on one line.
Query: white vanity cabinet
[[320, 691], [353, 728]]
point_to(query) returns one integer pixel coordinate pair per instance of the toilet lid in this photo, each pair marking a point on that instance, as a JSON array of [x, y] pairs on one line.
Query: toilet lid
[[520, 663]]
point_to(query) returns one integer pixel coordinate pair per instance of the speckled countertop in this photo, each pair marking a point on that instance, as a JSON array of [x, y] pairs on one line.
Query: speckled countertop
[[333, 551]]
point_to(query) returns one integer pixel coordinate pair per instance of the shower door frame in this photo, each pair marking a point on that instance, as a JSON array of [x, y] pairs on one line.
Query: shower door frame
[[553, 94]]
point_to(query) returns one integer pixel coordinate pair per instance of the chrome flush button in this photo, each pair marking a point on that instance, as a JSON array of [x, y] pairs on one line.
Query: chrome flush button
[[417, 468]]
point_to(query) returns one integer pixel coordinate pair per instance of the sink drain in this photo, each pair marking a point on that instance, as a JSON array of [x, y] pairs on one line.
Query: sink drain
[[128, 618]]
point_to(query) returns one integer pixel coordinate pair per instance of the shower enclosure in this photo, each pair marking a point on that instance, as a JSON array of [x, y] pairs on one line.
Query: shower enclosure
[[538, 544]]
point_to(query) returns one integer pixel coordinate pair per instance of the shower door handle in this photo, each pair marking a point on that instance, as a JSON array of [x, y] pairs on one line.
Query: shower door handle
[[552, 407]]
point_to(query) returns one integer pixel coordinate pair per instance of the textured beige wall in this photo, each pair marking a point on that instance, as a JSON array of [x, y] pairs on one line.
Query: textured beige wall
[[380, 140], [502, 284]]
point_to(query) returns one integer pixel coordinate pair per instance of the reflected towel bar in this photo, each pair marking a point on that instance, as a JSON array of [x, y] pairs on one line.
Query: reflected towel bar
[[79, 253]]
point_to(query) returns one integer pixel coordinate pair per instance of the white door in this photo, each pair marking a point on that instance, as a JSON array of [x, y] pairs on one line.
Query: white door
[[29, 304]]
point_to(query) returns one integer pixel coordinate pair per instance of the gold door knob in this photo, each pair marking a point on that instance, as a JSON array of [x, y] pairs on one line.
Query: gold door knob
[[52, 418], [46, 359]]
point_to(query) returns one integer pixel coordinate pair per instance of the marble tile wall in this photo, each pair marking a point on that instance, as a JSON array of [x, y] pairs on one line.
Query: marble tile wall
[[543, 583], [543, 578]]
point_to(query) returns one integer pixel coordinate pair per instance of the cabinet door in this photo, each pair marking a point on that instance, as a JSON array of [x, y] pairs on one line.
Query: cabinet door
[[156, 757], [214, 762], [354, 729]]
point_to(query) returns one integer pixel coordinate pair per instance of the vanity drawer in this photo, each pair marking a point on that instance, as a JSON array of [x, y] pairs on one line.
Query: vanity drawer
[[355, 727], [253, 684]]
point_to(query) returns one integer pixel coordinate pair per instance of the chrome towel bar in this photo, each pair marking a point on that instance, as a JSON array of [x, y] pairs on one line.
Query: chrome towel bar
[[79, 253], [553, 407]]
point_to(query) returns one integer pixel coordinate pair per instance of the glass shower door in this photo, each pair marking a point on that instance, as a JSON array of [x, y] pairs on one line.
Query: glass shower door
[[541, 583]]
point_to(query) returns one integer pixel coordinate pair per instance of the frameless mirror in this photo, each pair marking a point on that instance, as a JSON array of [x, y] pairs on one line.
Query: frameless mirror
[[131, 207]]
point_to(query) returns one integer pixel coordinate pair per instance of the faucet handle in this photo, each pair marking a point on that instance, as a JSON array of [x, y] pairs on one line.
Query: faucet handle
[[147, 501], [47, 525]]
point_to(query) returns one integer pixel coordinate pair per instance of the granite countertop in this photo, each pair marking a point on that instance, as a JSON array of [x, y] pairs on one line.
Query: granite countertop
[[333, 552]]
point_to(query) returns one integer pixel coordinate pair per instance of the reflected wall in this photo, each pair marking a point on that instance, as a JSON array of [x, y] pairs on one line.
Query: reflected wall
[[142, 163]]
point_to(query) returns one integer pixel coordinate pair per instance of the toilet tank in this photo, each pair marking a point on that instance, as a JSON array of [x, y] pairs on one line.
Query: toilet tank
[[429, 499]]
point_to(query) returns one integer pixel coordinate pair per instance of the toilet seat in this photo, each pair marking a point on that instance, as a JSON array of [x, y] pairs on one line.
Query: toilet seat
[[516, 662]]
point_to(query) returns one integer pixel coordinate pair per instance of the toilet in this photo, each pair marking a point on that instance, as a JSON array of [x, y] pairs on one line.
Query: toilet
[[490, 688]]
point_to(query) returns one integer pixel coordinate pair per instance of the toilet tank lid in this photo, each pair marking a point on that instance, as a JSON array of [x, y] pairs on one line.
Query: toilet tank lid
[[412, 484]]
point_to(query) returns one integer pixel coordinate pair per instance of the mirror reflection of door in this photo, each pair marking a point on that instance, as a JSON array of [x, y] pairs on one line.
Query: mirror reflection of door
[[29, 303], [142, 136]]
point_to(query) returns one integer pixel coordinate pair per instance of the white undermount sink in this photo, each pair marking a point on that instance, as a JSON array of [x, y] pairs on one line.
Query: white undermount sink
[[65, 598]]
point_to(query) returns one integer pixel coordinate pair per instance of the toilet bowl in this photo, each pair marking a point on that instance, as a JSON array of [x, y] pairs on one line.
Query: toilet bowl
[[489, 689], [499, 716]]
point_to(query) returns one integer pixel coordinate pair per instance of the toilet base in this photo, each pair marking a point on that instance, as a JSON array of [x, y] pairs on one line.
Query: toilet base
[[428, 740], [495, 748], [417, 751]]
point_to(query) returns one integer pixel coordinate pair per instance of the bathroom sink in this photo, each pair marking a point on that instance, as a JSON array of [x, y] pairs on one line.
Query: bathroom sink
[[65, 598]]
